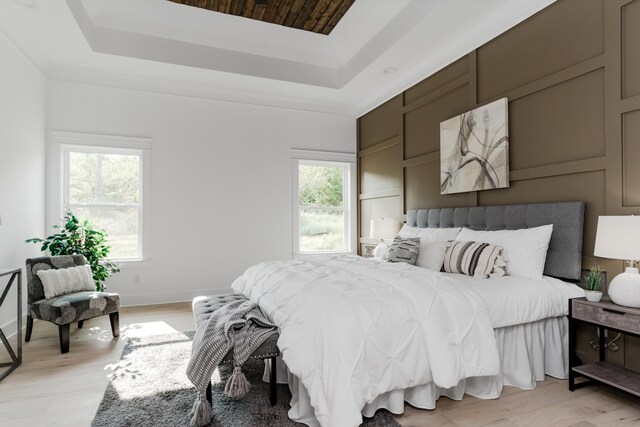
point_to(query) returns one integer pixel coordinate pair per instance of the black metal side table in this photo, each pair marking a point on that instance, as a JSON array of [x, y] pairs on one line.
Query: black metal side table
[[15, 360]]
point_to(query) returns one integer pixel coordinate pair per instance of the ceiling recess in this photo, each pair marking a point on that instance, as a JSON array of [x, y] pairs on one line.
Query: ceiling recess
[[318, 16]]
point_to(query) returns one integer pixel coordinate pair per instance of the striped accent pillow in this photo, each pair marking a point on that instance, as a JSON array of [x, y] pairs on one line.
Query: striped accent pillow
[[480, 260], [404, 250]]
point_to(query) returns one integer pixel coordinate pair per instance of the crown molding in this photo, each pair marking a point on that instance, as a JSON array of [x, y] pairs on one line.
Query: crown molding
[[190, 90]]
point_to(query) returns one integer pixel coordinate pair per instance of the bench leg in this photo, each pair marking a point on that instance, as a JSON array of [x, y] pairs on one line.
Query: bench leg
[[273, 391], [209, 397]]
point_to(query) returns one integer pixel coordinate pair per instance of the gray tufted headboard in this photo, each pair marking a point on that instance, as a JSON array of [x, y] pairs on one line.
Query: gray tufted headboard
[[564, 258]]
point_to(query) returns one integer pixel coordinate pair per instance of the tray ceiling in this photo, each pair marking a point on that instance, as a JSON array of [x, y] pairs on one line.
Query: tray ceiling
[[379, 48], [317, 16]]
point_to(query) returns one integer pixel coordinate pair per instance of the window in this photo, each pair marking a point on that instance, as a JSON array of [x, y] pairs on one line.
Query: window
[[103, 180], [323, 216]]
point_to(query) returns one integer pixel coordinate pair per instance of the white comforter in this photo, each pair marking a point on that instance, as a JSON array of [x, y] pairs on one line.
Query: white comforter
[[352, 329], [515, 300]]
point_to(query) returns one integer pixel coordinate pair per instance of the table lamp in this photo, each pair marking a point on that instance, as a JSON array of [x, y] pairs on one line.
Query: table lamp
[[618, 237], [383, 228]]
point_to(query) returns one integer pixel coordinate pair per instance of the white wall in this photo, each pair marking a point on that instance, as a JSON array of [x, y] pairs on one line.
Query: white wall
[[22, 164], [220, 180]]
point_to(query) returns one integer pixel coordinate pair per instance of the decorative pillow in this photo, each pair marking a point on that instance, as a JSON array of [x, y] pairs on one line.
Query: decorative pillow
[[404, 250], [66, 280], [480, 260], [524, 250], [431, 254], [439, 234]]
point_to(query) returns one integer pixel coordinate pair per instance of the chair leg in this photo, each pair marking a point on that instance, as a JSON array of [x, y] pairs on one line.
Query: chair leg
[[273, 390], [114, 318], [80, 324], [27, 335], [63, 331]]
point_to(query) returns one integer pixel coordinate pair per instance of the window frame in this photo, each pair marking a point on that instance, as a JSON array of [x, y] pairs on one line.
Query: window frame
[[326, 158], [63, 143]]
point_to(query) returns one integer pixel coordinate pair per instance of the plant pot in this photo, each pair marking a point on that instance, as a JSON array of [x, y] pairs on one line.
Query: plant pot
[[593, 296]]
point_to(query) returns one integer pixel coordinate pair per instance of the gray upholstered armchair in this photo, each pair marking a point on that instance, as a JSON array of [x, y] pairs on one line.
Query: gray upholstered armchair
[[69, 308]]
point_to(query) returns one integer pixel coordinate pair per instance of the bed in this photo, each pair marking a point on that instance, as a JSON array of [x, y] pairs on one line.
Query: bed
[[360, 335]]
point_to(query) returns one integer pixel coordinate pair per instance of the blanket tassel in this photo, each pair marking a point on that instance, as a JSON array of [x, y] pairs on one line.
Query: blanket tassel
[[201, 413], [237, 385]]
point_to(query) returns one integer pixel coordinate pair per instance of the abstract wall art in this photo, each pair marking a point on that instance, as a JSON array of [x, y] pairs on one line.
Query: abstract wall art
[[474, 149]]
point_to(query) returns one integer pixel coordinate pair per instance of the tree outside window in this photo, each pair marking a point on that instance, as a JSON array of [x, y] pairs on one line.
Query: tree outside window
[[322, 215]]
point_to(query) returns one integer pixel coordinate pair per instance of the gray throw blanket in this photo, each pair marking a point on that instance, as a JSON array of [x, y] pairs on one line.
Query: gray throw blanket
[[239, 325]]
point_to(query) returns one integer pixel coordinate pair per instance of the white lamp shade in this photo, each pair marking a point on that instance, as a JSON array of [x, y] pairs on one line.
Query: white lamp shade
[[384, 228], [618, 237]]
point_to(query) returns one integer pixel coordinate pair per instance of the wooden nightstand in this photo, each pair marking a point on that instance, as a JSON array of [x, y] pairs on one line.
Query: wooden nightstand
[[610, 316]]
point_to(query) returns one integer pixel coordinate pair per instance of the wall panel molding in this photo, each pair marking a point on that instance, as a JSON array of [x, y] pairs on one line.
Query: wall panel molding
[[380, 154], [437, 93], [566, 168], [456, 69], [630, 158], [387, 143], [628, 105], [612, 119], [630, 34], [380, 194], [421, 126], [570, 74], [425, 158], [551, 80]]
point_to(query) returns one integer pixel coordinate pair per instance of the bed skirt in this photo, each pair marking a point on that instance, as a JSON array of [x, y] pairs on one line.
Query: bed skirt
[[528, 352]]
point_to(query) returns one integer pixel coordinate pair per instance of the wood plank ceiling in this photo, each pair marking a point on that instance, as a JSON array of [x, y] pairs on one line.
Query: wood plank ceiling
[[318, 16]]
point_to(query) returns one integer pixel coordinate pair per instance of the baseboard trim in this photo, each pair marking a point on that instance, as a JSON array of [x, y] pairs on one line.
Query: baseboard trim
[[10, 328], [140, 300]]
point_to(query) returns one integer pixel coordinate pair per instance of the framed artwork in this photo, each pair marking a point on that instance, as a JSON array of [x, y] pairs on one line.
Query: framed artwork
[[474, 149]]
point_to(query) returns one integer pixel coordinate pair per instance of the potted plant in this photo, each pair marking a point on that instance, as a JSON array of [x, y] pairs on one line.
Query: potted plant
[[78, 237], [593, 284]]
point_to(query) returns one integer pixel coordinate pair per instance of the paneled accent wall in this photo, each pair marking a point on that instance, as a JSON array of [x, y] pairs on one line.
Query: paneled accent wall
[[572, 76]]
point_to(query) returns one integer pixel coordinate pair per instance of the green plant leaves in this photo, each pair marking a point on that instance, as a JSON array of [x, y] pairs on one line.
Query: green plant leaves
[[79, 237], [593, 279]]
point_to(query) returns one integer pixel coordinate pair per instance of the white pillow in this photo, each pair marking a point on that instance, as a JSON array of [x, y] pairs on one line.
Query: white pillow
[[439, 234], [66, 280], [525, 250], [431, 254]]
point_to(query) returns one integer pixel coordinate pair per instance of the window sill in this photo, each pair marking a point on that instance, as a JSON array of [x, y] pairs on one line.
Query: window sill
[[130, 264], [307, 254]]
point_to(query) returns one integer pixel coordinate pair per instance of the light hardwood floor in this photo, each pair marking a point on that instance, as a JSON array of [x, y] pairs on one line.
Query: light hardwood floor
[[51, 389]]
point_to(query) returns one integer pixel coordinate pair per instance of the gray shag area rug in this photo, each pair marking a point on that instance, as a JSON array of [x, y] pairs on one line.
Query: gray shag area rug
[[149, 387]]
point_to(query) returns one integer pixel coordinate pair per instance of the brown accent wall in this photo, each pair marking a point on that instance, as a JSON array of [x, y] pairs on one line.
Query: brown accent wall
[[572, 76]]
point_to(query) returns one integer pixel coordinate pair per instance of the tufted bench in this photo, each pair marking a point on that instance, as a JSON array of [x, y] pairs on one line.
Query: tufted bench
[[204, 306]]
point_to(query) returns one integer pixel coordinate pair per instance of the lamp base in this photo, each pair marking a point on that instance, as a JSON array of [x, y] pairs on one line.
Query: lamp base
[[381, 251], [624, 289]]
